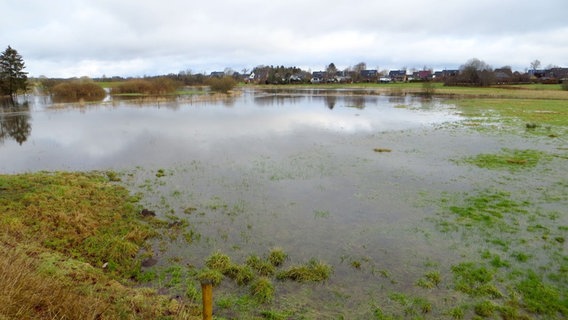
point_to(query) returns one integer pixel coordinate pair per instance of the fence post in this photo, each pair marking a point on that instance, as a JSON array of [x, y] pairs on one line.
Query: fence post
[[207, 294]]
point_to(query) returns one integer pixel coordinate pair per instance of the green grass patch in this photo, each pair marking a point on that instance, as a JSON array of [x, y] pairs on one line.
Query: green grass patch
[[489, 209], [542, 111], [541, 298], [475, 280], [508, 159]]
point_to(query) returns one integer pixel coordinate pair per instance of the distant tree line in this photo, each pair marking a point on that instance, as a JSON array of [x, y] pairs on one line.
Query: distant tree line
[[475, 72]]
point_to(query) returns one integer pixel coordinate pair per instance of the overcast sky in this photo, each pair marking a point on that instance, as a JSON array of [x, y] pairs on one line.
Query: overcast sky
[[73, 38]]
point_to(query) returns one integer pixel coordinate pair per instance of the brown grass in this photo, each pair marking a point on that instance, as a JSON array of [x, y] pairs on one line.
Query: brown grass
[[68, 243], [78, 90], [153, 86]]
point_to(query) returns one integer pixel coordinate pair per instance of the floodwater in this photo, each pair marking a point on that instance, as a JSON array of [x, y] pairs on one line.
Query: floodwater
[[289, 169]]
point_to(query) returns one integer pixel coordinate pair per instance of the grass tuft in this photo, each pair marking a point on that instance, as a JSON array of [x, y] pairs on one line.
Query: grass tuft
[[262, 267], [277, 256], [262, 290], [313, 271]]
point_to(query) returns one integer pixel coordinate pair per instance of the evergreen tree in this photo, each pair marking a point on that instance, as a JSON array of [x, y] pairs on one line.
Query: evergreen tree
[[12, 76]]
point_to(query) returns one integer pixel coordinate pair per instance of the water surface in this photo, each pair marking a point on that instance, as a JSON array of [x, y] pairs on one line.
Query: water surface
[[289, 169]]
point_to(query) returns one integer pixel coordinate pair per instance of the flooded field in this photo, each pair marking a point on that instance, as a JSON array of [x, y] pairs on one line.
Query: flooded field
[[419, 210]]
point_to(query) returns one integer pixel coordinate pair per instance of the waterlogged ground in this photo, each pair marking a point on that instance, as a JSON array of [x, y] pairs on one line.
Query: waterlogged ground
[[421, 211]]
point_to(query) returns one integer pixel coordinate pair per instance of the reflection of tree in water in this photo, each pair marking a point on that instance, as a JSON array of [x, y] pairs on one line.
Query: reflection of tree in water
[[330, 101], [14, 121], [356, 101]]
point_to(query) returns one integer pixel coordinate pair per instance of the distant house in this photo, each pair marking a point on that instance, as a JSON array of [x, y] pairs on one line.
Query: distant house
[[218, 74], [398, 75], [369, 75], [249, 77], [503, 75], [444, 74], [423, 75], [558, 73], [318, 76], [295, 78]]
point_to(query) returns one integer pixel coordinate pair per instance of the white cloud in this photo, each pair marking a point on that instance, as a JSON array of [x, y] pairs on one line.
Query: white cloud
[[75, 38]]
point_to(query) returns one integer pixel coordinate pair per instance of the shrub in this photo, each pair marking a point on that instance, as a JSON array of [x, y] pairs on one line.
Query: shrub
[[223, 85], [153, 86], [78, 90], [565, 84]]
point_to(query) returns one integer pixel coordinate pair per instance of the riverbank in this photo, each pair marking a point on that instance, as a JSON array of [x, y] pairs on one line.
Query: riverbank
[[528, 91]]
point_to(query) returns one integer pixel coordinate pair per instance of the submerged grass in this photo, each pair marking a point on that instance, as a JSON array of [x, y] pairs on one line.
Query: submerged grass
[[509, 159], [69, 243]]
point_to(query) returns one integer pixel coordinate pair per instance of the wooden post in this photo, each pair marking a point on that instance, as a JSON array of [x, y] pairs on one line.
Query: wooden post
[[207, 294]]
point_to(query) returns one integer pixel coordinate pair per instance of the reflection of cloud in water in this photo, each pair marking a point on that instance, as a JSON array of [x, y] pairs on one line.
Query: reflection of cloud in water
[[130, 134]]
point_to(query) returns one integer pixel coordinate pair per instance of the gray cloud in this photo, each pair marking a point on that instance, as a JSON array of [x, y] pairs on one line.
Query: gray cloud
[[75, 38]]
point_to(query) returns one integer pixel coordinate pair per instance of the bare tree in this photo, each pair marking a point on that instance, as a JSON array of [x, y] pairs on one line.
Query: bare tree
[[476, 72], [357, 71], [535, 64], [330, 71]]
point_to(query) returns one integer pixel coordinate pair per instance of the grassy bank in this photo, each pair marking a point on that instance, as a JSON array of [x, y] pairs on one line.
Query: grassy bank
[[70, 243], [529, 91]]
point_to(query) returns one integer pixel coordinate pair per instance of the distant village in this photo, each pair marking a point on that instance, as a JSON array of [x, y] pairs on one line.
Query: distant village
[[286, 75]]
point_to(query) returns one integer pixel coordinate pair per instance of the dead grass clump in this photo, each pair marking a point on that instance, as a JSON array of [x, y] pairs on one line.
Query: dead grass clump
[[26, 294], [38, 285]]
